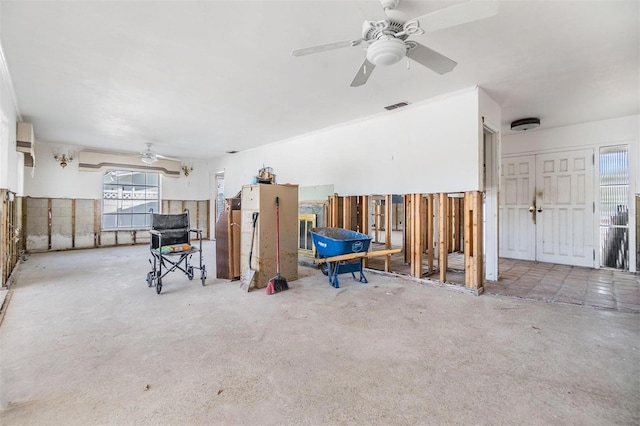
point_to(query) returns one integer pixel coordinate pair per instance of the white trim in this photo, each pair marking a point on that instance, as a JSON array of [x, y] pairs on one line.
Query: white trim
[[4, 71], [568, 148]]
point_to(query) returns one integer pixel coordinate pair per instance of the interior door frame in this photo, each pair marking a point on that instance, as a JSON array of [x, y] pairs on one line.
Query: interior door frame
[[491, 191]]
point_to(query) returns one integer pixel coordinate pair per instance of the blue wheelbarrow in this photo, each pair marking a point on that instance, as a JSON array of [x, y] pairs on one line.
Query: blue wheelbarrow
[[342, 251]]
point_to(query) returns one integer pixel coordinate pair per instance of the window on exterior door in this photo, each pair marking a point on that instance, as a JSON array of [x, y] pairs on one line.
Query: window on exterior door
[[614, 206]]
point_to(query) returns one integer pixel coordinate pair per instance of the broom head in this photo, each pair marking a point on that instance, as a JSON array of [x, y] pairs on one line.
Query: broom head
[[277, 284]]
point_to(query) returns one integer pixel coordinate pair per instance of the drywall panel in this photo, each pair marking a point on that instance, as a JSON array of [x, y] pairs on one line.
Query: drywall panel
[[426, 147], [85, 236], [37, 226], [61, 236]]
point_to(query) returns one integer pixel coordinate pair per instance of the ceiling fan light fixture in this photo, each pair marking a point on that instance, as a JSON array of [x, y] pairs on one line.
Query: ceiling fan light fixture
[[525, 124], [149, 160], [386, 51]]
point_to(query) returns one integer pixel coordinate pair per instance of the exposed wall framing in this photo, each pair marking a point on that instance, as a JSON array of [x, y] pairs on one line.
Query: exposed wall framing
[[473, 240], [11, 232], [435, 225], [66, 223]]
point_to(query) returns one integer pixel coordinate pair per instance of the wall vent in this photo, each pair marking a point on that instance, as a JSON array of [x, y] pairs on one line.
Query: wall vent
[[395, 106]]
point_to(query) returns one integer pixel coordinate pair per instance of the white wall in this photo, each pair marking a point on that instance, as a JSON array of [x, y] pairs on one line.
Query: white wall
[[52, 181], [593, 134], [622, 130], [427, 147], [11, 161]]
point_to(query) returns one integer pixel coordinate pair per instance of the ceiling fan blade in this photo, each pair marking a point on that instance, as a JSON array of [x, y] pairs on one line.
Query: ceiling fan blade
[[363, 73], [325, 47], [462, 13], [431, 59]]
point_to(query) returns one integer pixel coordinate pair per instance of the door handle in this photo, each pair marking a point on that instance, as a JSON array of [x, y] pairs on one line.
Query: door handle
[[539, 209], [532, 209]]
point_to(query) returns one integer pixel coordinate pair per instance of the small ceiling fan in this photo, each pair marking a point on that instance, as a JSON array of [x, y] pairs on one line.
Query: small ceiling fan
[[148, 156], [388, 42]]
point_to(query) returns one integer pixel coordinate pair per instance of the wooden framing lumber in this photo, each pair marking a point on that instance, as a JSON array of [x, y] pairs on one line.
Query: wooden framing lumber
[[387, 231], [430, 232], [407, 230], [346, 213], [473, 240], [97, 225], [334, 215], [416, 235], [443, 235], [363, 218], [73, 223], [351, 256], [49, 222]]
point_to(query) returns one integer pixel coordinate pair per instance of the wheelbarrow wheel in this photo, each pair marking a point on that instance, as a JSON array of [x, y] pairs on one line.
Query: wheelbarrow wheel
[[190, 273], [150, 279], [203, 275], [324, 268], [159, 285]]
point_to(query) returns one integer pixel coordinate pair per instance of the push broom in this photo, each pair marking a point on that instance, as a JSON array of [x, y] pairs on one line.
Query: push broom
[[277, 283]]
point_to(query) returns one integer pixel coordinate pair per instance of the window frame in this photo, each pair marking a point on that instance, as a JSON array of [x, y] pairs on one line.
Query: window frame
[[131, 200]]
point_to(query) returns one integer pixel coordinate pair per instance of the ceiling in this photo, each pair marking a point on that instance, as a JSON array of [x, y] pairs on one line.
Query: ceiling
[[198, 79]]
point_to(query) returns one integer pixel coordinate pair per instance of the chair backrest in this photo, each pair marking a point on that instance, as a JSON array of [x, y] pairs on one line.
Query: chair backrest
[[173, 227]]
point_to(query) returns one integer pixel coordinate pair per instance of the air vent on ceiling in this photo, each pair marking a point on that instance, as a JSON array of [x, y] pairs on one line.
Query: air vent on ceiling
[[395, 106], [232, 152]]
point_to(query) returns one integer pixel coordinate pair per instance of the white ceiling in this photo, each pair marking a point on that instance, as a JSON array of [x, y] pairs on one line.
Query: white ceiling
[[201, 78]]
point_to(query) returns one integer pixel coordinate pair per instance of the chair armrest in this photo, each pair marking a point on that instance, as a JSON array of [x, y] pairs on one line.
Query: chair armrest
[[154, 232], [197, 231]]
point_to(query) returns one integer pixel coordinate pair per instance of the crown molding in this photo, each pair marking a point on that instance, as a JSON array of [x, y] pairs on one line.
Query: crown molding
[[6, 76]]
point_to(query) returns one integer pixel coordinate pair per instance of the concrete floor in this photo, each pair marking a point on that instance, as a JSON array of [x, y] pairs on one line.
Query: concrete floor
[[85, 341]]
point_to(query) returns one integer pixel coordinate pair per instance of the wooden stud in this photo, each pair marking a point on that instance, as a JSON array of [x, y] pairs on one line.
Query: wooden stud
[[473, 241], [97, 224], [417, 235], [346, 212], [73, 222], [5, 237], [407, 231], [429, 232], [208, 207], [387, 232], [363, 222], [49, 213], [23, 225], [376, 221], [443, 235]]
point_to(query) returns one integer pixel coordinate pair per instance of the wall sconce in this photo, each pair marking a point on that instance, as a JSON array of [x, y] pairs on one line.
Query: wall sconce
[[187, 169], [63, 159]]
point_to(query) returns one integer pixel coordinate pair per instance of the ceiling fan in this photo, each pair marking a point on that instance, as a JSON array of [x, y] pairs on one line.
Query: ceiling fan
[[388, 42], [148, 156]]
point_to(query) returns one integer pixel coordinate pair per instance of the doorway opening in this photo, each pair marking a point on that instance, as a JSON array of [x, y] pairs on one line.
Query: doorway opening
[[614, 206]]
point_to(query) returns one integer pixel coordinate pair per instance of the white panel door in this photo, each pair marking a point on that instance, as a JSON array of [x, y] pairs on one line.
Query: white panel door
[[517, 196], [564, 208]]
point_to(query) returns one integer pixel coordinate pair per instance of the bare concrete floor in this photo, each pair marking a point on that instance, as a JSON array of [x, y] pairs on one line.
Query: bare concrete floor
[[85, 341]]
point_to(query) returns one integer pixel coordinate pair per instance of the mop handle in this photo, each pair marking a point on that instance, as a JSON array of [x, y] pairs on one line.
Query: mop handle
[[277, 235]]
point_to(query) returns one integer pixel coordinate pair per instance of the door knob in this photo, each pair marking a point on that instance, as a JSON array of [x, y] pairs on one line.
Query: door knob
[[539, 209], [532, 209]]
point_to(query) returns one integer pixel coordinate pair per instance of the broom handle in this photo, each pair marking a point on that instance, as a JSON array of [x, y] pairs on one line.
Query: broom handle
[[277, 235]]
